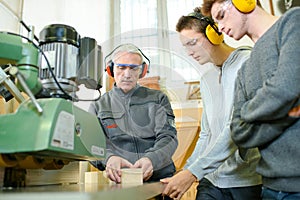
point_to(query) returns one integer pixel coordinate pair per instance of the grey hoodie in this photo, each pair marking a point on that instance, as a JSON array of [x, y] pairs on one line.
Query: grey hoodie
[[216, 157], [267, 88]]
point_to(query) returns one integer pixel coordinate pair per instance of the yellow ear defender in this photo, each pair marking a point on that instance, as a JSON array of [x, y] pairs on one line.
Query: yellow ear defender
[[213, 36], [211, 31], [245, 6]]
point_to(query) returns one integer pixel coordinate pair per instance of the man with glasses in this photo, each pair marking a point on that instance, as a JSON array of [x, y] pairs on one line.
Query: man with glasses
[[138, 121], [267, 89], [224, 171]]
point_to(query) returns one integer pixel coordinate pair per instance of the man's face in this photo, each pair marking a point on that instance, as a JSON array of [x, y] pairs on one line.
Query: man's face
[[230, 21], [125, 74], [197, 45]]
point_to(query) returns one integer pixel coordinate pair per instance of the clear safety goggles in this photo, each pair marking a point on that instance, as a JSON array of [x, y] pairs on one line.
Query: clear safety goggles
[[222, 11], [135, 67], [193, 43]]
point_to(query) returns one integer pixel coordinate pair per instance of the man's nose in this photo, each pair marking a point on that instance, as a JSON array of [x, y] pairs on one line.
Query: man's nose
[[190, 52], [221, 27], [127, 71]]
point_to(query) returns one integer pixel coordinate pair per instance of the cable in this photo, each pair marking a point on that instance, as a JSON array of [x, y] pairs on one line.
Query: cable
[[40, 50], [29, 30], [51, 71]]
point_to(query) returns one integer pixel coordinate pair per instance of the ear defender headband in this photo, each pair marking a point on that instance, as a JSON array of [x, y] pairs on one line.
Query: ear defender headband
[[211, 31], [244, 6], [110, 64]]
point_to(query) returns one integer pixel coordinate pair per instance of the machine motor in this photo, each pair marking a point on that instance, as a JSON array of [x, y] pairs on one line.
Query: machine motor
[[73, 60]]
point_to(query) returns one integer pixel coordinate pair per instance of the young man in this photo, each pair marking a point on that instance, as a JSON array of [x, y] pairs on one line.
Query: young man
[[138, 121], [224, 171], [267, 89]]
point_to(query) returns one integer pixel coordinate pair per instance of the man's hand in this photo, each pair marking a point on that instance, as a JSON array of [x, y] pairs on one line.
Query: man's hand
[[178, 184], [147, 167], [295, 112], [113, 167]]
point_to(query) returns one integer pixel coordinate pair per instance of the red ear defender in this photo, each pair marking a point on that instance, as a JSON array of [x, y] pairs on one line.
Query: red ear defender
[[110, 68], [144, 70], [110, 64]]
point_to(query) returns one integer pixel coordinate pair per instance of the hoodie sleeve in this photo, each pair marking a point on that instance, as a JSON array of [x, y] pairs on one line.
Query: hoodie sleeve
[[281, 92], [252, 134]]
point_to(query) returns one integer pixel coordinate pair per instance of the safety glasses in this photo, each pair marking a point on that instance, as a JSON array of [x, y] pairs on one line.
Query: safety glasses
[[121, 66], [222, 12]]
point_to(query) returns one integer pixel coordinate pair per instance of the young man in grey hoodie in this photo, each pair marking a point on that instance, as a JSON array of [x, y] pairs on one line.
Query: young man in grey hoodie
[[222, 169], [267, 88]]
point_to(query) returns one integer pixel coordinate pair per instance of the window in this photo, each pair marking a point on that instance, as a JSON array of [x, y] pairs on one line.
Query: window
[[151, 26]]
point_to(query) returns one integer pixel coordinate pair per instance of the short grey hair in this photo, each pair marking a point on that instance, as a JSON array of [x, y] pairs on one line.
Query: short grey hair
[[126, 48]]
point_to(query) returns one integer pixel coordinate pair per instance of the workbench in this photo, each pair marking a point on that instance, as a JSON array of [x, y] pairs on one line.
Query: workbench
[[83, 192]]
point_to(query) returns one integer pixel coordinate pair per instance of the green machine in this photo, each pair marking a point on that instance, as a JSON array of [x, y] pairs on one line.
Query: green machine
[[48, 130]]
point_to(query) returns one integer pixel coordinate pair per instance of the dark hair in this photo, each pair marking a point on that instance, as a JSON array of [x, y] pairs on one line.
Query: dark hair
[[191, 22]]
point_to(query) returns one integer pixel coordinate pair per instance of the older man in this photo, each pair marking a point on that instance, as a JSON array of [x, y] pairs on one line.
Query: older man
[[138, 121]]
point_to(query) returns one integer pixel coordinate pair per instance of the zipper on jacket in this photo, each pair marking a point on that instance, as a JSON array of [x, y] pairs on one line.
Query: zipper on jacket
[[129, 120]]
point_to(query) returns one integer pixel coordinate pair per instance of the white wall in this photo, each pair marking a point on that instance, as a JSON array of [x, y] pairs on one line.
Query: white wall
[[9, 17], [88, 17]]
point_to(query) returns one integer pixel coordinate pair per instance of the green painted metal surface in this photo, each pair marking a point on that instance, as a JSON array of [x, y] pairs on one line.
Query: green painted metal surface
[[22, 54], [62, 130]]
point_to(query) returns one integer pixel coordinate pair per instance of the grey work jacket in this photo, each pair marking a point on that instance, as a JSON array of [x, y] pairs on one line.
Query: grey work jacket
[[139, 124]]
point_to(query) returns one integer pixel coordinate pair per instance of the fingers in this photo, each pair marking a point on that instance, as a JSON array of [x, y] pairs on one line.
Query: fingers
[[143, 163], [115, 163], [126, 164], [138, 164], [177, 198], [147, 174], [113, 168], [177, 185], [147, 167], [173, 192], [167, 190], [165, 180], [113, 174]]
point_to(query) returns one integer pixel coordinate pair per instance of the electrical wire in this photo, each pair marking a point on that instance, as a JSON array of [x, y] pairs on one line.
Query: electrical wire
[[51, 71], [40, 50]]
